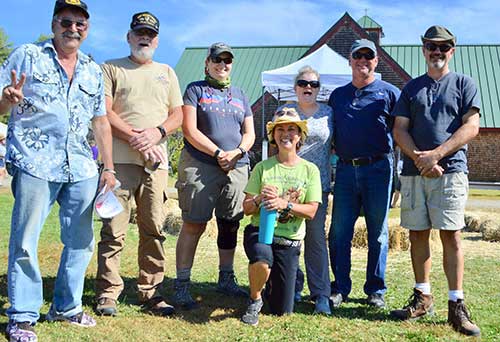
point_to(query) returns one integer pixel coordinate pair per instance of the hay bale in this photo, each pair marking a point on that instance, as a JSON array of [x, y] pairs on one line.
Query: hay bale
[[398, 236], [490, 230], [472, 222], [172, 224]]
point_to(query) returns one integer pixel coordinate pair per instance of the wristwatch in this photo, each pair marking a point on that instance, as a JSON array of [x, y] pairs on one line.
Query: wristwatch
[[217, 152], [288, 208], [162, 131], [243, 151]]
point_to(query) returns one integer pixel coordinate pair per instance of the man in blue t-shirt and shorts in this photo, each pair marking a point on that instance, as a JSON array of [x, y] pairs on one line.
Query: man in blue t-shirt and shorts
[[363, 142], [436, 116]]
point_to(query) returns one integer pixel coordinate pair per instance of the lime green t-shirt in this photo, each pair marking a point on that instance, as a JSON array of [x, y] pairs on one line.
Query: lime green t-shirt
[[302, 179]]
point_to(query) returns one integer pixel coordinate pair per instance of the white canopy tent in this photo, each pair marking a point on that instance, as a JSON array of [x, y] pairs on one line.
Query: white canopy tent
[[332, 67], [334, 71]]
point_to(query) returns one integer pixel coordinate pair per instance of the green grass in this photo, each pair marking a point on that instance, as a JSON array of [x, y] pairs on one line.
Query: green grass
[[218, 317], [484, 194]]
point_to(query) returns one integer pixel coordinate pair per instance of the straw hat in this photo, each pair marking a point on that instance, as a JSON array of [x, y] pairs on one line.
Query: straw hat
[[283, 116]]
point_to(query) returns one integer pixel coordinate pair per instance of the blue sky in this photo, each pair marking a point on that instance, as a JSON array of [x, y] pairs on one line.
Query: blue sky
[[186, 23]]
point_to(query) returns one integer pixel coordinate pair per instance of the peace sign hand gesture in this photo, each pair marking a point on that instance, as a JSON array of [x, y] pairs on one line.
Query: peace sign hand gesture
[[14, 92]]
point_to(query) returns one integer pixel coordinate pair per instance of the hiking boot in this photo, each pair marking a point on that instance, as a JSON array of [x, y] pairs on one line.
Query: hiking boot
[[106, 307], [21, 332], [182, 298], [81, 319], [158, 307], [228, 285], [322, 306], [251, 316], [418, 305], [459, 318], [376, 300], [337, 299]]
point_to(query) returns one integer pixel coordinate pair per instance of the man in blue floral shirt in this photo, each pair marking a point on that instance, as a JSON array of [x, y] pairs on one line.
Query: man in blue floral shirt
[[59, 92]]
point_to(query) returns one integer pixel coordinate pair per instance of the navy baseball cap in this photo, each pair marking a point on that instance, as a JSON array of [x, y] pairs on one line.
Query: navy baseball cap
[[63, 4]]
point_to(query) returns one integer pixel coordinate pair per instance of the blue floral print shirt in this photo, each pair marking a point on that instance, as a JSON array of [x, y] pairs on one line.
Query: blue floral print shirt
[[47, 131]]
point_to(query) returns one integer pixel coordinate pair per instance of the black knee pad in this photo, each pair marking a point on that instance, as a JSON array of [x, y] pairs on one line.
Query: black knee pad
[[227, 233]]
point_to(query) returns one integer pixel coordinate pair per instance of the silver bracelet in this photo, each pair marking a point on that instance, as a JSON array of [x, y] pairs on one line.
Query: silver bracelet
[[107, 169]]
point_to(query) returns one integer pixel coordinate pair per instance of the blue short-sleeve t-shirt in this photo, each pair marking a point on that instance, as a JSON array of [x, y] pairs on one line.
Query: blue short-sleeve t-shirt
[[361, 119], [219, 115], [435, 110]]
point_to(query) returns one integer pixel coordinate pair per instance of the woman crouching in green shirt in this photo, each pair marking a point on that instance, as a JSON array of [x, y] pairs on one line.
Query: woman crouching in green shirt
[[292, 186]]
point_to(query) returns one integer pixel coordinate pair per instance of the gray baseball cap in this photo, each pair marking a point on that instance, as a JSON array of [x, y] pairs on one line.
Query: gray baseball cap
[[363, 44], [438, 33], [217, 48]]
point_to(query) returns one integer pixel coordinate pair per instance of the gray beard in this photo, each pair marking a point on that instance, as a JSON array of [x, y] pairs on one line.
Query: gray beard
[[439, 64], [143, 54]]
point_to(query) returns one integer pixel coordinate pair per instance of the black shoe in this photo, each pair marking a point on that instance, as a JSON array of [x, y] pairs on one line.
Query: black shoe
[[337, 299], [106, 307], [251, 316], [376, 300], [158, 307]]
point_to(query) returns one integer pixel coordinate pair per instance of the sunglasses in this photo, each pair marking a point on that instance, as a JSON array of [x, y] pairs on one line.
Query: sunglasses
[[367, 55], [67, 23], [304, 83], [145, 32], [442, 47], [217, 60]]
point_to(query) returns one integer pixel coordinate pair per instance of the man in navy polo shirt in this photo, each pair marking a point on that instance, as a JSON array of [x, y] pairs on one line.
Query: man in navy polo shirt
[[363, 142]]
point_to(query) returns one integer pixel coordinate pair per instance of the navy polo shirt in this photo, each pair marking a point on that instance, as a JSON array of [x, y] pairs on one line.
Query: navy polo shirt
[[362, 120]]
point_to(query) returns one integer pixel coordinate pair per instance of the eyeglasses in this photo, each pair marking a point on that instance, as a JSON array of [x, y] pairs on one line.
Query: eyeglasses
[[304, 83], [145, 32], [217, 60], [442, 47], [67, 23], [367, 55]]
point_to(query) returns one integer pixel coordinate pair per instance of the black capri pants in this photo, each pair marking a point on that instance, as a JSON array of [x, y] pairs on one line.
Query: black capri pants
[[283, 261]]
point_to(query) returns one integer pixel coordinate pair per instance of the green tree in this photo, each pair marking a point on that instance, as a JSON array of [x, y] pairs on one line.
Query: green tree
[[5, 45], [43, 37], [175, 144]]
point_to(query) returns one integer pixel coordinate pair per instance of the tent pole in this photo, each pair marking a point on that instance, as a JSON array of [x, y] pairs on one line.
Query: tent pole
[[263, 125]]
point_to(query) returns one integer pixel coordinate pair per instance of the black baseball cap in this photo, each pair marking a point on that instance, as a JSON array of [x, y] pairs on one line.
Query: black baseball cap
[[145, 20], [63, 4]]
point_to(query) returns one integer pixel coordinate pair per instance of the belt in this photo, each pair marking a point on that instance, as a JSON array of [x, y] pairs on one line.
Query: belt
[[363, 161], [281, 241]]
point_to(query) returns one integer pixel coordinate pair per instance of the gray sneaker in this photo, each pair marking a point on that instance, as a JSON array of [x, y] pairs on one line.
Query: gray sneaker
[[251, 316], [376, 300], [21, 332], [337, 299], [182, 297], [228, 285], [81, 319]]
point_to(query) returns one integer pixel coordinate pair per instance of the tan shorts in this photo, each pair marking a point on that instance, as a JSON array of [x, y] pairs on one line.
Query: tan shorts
[[437, 203], [204, 187]]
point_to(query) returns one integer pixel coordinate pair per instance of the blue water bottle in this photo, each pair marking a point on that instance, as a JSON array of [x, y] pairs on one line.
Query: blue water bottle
[[266, 226]]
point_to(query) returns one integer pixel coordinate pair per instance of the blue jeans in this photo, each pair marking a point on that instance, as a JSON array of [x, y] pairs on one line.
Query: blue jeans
[[34, 198], [367, 186]]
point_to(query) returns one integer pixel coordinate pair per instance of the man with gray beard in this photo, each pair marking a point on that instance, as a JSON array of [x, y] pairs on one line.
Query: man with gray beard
[[143, 103], [436, 116]]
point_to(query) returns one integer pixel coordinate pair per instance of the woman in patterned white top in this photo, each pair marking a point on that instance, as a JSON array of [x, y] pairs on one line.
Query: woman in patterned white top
[[316, 149]]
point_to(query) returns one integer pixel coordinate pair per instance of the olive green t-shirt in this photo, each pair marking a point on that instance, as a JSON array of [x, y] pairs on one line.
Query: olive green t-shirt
[[142, 96], [302, 179]]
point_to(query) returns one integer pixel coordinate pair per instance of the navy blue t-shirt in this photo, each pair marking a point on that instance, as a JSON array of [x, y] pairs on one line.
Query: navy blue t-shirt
[[219, 115], [436, 110], [361, 119]]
